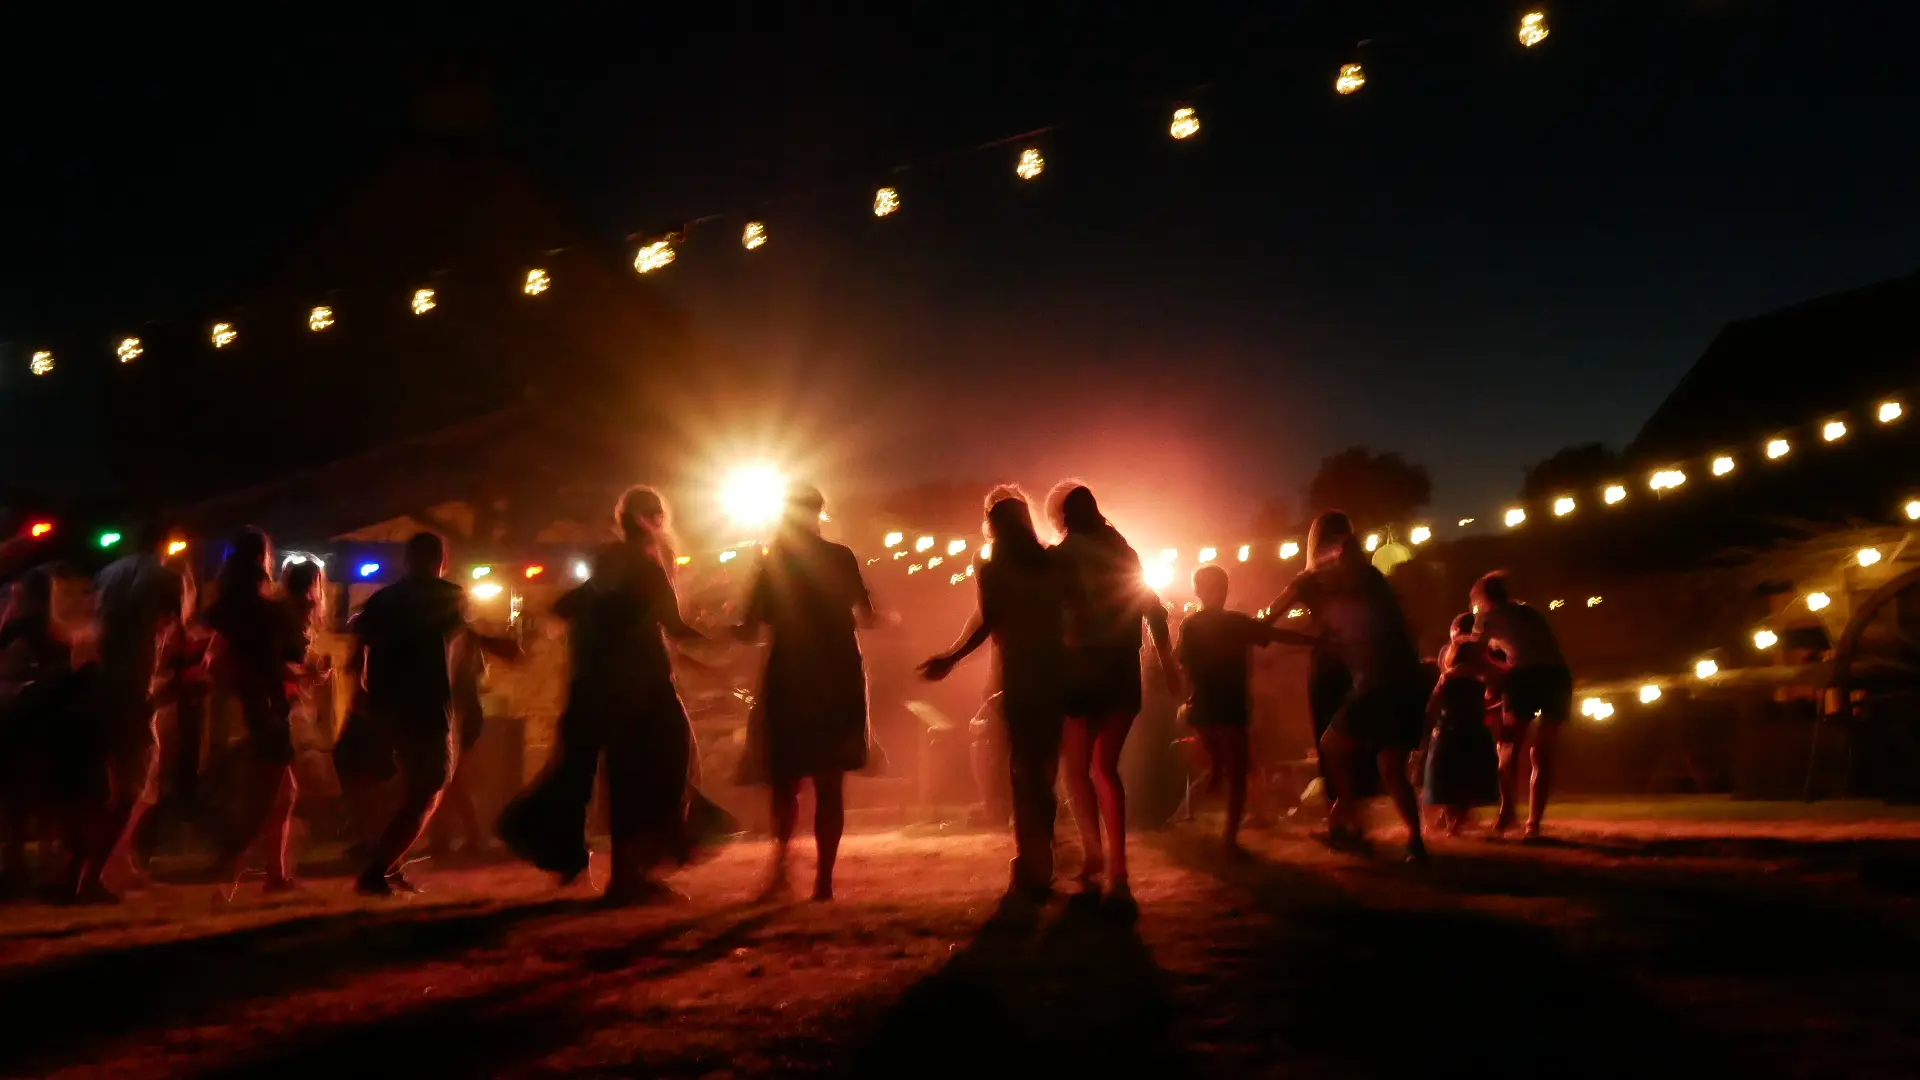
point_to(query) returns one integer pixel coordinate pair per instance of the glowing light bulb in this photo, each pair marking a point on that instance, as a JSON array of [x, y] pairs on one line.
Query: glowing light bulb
[[956, 579], [1186, 124], [986, 551], [1556, 605], [1667, 479], [1031, 164], [1516, 517], [368, 569], [1614, 493], [1596, 601], [1420, 535], [481, 571], [320, 318], [1289, 549], [1533, 28], [1373, 542], [1706, 669], [423, 301], [754, 236], [1649, 694], [223, 334], [40, 529], [969, 572], [885, 201], [1245, 553], [1867, 556], [1890, 411], [108, 539], [729, 556], [754, 496], [1765, 639], [659, 255], [486, 590], [1834, 431], [129, 350], [1169, 555], [41, 363], [1597, 708], [1296, 613], [1818, 601], [914, 569], [581, 571], [1913, 509], [536, 571], [955, 547], [935, 561], [1351, 78], [893, 539], [536, 283], [925, 543], [1208, 554], [175, 547], [1722, 465], [1563, 506], [1159, 576], [1778, 448]]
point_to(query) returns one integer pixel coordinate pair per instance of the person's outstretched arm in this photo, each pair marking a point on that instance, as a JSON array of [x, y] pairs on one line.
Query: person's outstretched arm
[[972, 636]]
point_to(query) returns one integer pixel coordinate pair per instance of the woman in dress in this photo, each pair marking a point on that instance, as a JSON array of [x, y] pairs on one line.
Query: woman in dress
[[1107, 597], [811, 600], [1463, 767], [622, 702], [1023, 610]]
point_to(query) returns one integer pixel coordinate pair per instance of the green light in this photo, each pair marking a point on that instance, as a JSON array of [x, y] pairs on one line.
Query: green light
[[108, 539]]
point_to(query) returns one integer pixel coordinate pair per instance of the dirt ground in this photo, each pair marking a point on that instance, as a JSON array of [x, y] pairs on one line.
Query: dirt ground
[[1632, 943]]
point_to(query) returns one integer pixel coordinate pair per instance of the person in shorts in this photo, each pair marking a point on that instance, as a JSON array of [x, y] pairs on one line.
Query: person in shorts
[[1538, 684]]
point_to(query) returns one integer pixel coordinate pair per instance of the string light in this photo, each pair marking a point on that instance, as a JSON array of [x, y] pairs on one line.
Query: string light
[[487, 590], [536, 571], [885, 201], [1667, 479], [1031, 164], [914, 569], [1556, 605], [1597, 708], [1913, 509], [1890, 411], [1464, 522], [423, 301], [40, 529], [1245, 553], [754, 236], [536, 283], [1649, 694], [1186, 124], [1722, 465], [923, 543], [109, 538], [956, 579], [223, 334], [729, 556], [1516, 517], [581, 571], [1706, 669], [1818, 601], [1563, 506], [893, 539], [1765, 639], [128, 350], [1614, 493], [1351, 78], [955, 547], [969, 572], [1778, 448], [935, 561], [1595, 601], [1420, 535], [175, 547], [1289, 549], [319, 318], [1295, 613], [1834, 431], [481, 571], [42, 363], [1533, 28], [1867, 556], [659, 255], [1373, 541], [368, 569], [1207, 555]]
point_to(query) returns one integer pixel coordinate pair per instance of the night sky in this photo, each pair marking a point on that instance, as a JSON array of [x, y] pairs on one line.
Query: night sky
[[1485, 255]]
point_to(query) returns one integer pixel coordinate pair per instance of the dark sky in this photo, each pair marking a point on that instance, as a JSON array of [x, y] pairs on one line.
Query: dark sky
[[1488, 253]]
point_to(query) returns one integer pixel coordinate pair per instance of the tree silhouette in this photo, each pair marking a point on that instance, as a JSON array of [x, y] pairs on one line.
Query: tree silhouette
[[1373, 489], [1572, 468]]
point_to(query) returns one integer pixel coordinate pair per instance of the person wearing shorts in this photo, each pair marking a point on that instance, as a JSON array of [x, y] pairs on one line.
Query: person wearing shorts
[[1539, 684]]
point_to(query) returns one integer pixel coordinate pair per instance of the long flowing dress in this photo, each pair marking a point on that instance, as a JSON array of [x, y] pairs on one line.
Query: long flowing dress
[[812, 714]]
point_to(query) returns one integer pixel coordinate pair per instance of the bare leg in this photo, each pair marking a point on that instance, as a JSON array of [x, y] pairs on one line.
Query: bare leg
[[829, 822], [1546, 739], [784, 814], [1509, 779], [1337, 753], [1234, 743], [1076, 762], [1393, 780], [1108, 738], [280, 829], [259, 809]]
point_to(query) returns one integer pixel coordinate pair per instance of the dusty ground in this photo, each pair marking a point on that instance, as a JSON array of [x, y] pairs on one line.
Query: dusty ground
[[1638, 942]]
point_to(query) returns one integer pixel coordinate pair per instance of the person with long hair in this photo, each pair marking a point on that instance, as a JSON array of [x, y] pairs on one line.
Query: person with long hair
[[622, 702], [1107, 600], [1380, 716], [812, 717], [1022, 609]]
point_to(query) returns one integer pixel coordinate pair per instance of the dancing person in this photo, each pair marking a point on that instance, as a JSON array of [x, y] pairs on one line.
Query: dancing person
[[1380, 716], [1462, 768], [139, 600], [810, 598], [1538, 684], [468, 671], [47, 756], [622, 702], [990, 759], [1022, 609], [405, 630], [1107, 598], [1213, 652]]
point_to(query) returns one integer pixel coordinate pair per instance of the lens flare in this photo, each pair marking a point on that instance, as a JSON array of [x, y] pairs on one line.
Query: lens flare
[[752, 496]]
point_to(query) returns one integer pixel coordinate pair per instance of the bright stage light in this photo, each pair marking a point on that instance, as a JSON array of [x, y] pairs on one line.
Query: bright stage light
[[486, 590], [893, 539], [1159, 575], [1207, 555], [1420, 535], [753, 496]]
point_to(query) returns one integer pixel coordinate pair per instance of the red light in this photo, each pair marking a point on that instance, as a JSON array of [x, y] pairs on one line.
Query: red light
[[535, 571], [40, 529]]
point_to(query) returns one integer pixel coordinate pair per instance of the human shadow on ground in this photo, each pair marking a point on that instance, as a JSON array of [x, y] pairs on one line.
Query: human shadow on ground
[[1072, 993], [1335, 981]]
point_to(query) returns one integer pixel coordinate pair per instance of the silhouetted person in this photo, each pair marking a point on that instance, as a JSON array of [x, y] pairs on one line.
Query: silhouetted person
[[1538, 684], [1463, 768], [810, 597], [50, 761], [1022, 609], [405, 630], [1107, 597]]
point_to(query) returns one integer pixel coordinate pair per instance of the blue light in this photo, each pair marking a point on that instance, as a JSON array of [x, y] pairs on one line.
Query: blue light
[[368, 569]]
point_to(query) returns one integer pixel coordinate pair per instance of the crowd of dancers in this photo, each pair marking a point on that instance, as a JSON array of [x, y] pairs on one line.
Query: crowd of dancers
[[1066, 622]]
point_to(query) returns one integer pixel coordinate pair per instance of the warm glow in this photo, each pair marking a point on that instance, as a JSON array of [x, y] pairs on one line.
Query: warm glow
[[658, 255], [536, 571], [423, 301], [729, 556], [1778, 448], [1597, 708], [1722, 465], [320, 318], [537, 282], [581, 570], [893, 539], [1244, 553], [1159, 576], [42, 362], [754, 236], [678, 560], [481, 571], [1649, 694], [1351, 78], [1706, 669], [1595, 601], [487, 590], [1818, 601], [986, 551], [1289, 549], [1373, 542], [1890, 411], [1533, 28], [885, 201], [129, 350], [1913, 509], [1295, 613], [753, 496], [176, 547], [1207, 555], [40, 529], [1186, 124], [223, 334], [1420, 534], [955, 547], [1554, 605], [1464, 522], [914, 569], [957, 578], [1867, 556], [1563, 506], [1516, 517], [1834, 431], [925, 543], [1667, 479], [1031, 164], [1169, 555], [935, 561], [1765, 639], [1614, 493]]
